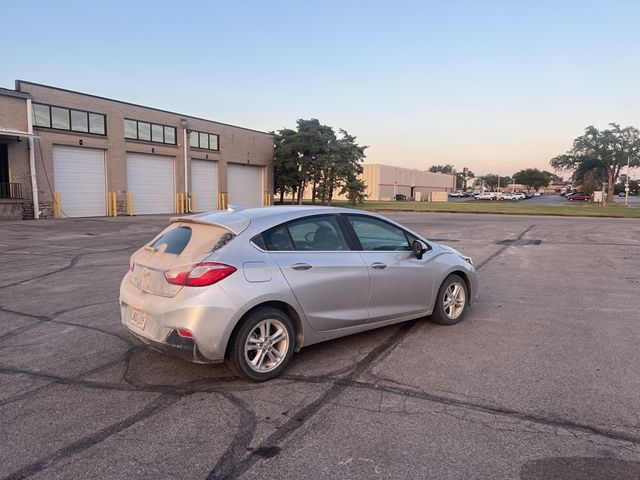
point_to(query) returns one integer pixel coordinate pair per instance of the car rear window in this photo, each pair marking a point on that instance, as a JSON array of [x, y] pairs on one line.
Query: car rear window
[[175, 240], [185, 239]]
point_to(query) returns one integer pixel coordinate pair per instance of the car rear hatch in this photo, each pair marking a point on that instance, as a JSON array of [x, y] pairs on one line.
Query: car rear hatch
[[184, 243]]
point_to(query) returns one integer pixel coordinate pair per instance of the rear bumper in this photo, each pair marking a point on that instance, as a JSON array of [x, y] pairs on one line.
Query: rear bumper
[[175, 346], [209, 314]]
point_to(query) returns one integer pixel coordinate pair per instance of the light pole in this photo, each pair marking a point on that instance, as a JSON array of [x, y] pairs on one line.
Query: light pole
[[626, 187]]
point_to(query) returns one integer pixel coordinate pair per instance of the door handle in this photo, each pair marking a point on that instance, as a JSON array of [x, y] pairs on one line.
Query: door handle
[[301, 266], [378, 266]]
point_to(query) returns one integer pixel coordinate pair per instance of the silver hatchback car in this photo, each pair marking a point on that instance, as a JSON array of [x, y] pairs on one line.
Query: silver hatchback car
[[253, 286]]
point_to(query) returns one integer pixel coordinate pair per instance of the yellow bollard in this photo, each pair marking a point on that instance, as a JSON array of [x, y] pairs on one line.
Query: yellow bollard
[[112, 205], [57, 206], [130, 203], [194, 203]]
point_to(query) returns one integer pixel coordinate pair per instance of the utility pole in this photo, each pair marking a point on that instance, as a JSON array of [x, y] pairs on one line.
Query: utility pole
[[626, 187]]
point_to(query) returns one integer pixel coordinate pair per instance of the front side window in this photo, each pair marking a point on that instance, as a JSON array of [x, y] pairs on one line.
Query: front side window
[[375, 234]]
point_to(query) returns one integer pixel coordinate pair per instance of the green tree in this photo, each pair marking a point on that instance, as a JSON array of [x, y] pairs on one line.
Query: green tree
[[448, 168], [340, 168], [533, 178], [610, 149], [491, 181], [590, 182], [286, 166], [314, 144], [313, 155]]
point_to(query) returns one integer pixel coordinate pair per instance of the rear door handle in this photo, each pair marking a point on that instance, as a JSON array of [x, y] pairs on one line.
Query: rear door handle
[[301, 266], [378, 266]]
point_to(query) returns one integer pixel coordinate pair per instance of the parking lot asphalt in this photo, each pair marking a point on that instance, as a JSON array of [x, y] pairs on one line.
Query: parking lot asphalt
[[540, 381]]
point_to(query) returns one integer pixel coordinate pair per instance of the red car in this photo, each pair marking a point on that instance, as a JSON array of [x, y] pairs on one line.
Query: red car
[[579, 196]]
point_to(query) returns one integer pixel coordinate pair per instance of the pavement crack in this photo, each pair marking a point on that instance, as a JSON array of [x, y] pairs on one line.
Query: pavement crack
[[503, 248], [158, 405], [299, 418]]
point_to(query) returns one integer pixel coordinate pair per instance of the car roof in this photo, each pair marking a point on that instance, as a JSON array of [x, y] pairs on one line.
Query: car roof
[[238, 219]]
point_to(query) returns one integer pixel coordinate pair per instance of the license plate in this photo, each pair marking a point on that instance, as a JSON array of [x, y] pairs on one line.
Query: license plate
[[138, 318]]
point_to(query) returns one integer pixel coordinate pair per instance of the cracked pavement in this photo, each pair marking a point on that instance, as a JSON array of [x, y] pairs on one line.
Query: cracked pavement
[[540, 381]]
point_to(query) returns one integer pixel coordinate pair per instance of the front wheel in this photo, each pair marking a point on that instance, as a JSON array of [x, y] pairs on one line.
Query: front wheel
[[262, 346], [451, 303]]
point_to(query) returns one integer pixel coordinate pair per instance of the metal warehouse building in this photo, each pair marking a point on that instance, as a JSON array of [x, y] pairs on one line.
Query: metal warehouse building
[[77, 155], [384, 182]]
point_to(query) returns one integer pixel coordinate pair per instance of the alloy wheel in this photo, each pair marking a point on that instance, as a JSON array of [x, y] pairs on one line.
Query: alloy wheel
[[266, 346], [454, 300]]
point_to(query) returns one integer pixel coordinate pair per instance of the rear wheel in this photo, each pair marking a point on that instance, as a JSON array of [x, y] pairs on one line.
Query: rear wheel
[[263, 345], [451, 303]]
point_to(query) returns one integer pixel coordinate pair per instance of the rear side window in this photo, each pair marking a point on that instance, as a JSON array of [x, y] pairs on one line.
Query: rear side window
[[278, 239], [310, 234], [176, 240]]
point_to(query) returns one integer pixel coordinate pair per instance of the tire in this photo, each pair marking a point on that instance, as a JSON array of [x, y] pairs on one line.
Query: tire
[[444, 314], [252, 354]]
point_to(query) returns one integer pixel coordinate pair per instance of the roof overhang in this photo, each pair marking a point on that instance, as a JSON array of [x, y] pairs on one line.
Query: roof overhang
[[15, 133]]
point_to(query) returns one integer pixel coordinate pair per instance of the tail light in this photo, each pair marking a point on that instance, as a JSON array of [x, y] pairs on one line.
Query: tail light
[[199, 274]]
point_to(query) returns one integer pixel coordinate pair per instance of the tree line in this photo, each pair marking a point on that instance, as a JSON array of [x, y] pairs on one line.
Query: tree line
[[598, 156], [531, 178], [313, 155]]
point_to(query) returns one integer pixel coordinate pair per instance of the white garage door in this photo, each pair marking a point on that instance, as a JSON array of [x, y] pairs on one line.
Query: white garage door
[[150, 180], [245, 185], [204, 184], [78, 174]]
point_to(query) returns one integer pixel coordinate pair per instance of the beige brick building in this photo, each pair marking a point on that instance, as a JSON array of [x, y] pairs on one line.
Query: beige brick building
[[81, 155]]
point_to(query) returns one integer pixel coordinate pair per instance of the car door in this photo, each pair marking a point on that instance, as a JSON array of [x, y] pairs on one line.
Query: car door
[[330, 281], [401, 285]]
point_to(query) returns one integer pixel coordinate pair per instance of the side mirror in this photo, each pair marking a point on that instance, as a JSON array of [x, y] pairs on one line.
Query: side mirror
[[418, 249]]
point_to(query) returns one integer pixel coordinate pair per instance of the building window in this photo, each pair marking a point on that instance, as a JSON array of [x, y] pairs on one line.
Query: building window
[[208, 141], [79, 121], [149, 132], [60, 118], [96, 124]]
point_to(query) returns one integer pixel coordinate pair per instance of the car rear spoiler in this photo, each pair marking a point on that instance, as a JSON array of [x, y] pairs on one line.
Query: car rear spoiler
[[232, 221]]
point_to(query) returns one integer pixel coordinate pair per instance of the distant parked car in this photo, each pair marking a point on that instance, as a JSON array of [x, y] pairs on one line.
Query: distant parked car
[[624, 194], [537, 194], [458, 194], [579, 197], [518, 196], [485, 196], [506, 196]]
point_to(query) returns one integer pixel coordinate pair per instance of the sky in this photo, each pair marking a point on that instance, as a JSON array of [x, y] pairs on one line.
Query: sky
[[492, 86]]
